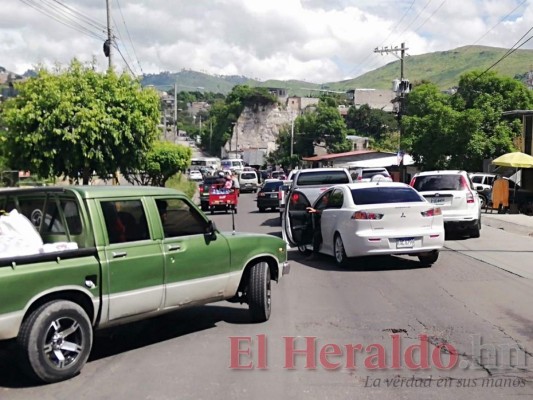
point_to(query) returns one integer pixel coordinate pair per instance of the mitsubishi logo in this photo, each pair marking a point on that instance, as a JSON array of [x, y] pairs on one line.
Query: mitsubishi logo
[[403, 215]]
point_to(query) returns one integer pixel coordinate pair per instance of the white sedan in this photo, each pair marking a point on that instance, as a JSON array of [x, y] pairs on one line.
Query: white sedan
[[364, 219], [195, 175]]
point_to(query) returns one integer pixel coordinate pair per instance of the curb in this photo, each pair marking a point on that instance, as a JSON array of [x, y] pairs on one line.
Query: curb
[[507, 226]]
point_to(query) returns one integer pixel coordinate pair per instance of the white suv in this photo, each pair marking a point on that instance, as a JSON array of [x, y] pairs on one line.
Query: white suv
[[370, 174], [453, 192]]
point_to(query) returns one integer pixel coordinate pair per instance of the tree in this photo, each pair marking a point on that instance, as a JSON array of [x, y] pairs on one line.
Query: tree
[[325, 126], [372, 123], [162, 162], [77, 121], [460, 131]]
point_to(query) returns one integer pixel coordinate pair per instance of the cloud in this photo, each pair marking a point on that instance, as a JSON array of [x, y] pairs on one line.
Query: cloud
[[315, 40]]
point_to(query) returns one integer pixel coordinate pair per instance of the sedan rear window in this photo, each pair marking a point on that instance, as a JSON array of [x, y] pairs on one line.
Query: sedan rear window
[[271, 186], [382, 195], [323, 178], [429, 183]]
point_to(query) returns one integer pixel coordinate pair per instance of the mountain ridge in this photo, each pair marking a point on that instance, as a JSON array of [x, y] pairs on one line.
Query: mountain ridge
[[441, 67]]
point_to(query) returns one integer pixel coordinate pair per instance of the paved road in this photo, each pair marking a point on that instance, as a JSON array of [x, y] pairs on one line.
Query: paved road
[[466, 306]]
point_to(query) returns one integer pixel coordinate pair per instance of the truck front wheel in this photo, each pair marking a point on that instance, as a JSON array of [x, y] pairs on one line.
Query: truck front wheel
[[259, 292], [55, 341]]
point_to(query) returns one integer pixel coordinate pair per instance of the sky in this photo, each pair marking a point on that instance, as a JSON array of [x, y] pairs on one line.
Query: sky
[[312, 40]]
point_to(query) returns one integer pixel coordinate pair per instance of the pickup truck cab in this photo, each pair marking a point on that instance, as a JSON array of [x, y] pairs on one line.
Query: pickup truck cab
[[314, 181], [141, 251]]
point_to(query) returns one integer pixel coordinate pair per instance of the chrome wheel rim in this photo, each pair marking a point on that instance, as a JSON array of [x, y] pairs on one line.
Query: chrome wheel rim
[[63, 343], [339, 250]]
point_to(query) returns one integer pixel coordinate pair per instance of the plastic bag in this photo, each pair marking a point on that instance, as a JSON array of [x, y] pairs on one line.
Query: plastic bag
[[18, 236]]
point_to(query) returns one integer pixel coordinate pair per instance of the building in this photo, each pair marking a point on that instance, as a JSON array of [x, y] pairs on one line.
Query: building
[[375, 98], [364, 158]]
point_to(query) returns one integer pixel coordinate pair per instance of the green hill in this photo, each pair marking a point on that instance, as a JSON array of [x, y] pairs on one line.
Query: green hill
[[443, 68]]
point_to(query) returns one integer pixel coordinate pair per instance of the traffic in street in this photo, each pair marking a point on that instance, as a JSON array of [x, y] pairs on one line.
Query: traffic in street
[[386, 327]]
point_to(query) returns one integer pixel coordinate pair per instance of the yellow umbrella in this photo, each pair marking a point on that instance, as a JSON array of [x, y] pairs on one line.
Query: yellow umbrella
[[515, 160]]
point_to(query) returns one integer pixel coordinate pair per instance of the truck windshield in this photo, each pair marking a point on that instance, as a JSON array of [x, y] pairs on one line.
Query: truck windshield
[[322, 178]]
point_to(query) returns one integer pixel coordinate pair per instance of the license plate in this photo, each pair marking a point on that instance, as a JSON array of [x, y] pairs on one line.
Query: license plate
[[274, 195], [437, 200], [405, 243]]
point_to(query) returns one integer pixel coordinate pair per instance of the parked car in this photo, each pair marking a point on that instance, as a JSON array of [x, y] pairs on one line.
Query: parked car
[[367, 174], [454, 193], [268, 195], [364, 219]]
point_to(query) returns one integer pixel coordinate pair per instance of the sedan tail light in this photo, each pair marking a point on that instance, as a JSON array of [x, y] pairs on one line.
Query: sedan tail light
[[432, 212], [366, 215], [261, 194]]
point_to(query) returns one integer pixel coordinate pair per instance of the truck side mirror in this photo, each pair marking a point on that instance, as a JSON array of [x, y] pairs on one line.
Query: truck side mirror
[[211, 230]]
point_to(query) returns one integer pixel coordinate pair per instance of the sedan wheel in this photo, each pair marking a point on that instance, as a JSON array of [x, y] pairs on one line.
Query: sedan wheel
[[340, 253], [429, 259]]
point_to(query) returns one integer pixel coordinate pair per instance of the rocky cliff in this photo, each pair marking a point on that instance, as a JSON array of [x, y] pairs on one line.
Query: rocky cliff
[[258, 129]]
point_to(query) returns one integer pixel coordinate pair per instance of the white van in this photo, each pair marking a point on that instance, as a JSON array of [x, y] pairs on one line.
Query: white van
[[234, 164], [249, 181]]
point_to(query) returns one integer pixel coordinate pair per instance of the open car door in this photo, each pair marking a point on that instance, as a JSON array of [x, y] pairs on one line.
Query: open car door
[[297, 226]]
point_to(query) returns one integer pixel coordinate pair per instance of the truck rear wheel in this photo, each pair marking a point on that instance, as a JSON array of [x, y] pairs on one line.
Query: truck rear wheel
[[55, 341], [259, 292]]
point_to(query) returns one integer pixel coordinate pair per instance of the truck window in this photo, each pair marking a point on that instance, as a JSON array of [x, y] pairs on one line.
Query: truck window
[[125, 221], [52, 222], [179, 218]]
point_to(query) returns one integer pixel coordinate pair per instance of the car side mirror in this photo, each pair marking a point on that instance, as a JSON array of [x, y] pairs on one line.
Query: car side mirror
[[211, 230], [479, 187]]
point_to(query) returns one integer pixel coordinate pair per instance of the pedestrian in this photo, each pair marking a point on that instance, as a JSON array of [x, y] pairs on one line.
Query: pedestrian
[[317, 231]]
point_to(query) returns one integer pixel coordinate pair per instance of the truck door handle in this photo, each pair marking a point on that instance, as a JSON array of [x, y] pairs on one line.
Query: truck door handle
[[118, 254], [173, 247]]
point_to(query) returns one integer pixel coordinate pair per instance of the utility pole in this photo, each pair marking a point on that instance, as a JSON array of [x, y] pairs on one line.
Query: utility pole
[[394, 50], [175, 130], [109, 40], [404, 88]]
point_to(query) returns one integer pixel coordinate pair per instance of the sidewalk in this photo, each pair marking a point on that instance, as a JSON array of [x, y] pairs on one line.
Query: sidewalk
[[514, 223]]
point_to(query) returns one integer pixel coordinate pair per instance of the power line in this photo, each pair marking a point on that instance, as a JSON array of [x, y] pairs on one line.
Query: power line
[[417, 15], [79, 15], [362, 63], [122, 40], [499, 22], [64, 21], [509, 52], [431, 16], [129, 36], [127, 65]]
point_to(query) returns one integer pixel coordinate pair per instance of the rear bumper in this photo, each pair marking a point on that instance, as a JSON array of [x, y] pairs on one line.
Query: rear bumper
[[267, 203], [460, 224], [425, 242]]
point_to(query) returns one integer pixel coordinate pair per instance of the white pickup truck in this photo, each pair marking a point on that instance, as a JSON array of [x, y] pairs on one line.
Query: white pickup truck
[[313, 181]]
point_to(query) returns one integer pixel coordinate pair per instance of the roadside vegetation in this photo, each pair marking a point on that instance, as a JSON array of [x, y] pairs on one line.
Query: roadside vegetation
[[75, 122]]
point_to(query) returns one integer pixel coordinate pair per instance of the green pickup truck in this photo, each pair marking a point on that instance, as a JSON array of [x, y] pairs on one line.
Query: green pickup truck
[[140, 251]]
